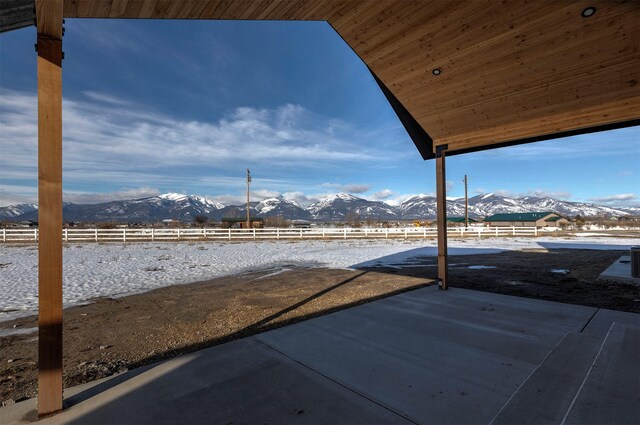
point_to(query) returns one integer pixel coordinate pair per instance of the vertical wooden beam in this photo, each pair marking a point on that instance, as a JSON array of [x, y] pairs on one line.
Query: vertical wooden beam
[[49, 22], [441, 216]]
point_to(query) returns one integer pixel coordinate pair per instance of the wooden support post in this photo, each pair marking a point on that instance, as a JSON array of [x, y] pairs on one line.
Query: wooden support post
[[441, 214], [49, 20]]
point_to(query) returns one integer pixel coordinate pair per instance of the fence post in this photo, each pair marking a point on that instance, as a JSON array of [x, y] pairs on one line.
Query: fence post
[[66, 235], [35, 234], [96, 231], [535, 231], [405, 233], [254, 233], [229, 233], [424, 232], [496, 231], [323, 233], [4, 235], [366, 232], [513, 230], [153, 234], [386, 233], [178, 233], [345, 232]]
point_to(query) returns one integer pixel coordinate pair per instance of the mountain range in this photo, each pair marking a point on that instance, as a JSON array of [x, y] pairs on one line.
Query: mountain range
[[337, 207]]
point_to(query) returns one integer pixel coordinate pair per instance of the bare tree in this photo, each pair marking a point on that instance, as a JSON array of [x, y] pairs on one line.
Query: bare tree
[[277, 221], [201, 220], [352, 218]]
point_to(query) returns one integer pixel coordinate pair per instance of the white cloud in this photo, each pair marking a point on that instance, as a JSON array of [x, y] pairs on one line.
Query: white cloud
[[96, 198], [10, 195], [301, 198], [621, 197], [100, 97], [109, 141], [349, 188], [264, 194], [106, 141], [228, 199], [383, 194], [543, 193], [15, 194], [241, 199]]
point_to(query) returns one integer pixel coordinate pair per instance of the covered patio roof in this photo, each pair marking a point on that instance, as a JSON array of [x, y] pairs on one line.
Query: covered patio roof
[[471, 74], [462, 76]]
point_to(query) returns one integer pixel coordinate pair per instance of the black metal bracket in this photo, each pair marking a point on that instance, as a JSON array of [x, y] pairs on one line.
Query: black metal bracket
[[418, 135], [440, 149]]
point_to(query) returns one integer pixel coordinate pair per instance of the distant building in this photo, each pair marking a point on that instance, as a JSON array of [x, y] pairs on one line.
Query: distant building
[[459, 221], [232, 222], [169, 222], [630, 218], [537, 219], [27, 224], [301, 224]]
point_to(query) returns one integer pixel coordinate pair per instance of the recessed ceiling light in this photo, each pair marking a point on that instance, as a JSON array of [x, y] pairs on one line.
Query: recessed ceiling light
[[589, 11], [436, 71]]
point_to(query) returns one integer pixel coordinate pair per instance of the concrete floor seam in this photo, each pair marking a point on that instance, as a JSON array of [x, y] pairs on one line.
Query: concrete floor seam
[[584, 381], [337, 382], [528, 377], [589, 321]]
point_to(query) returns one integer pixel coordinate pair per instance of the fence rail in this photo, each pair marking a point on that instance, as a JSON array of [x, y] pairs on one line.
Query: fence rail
[[180, 234]]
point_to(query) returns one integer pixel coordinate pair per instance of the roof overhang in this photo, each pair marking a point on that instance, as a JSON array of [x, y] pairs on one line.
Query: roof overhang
[[467, 75]]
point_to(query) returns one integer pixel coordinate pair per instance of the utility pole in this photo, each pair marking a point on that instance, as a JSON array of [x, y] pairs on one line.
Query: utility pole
[[248, 202], [466, 203]]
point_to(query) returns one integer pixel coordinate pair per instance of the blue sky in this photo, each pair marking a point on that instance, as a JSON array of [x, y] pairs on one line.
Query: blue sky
[[174, 106]]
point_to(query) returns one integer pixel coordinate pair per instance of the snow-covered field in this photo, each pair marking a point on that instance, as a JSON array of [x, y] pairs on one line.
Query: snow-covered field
[[98, 270]]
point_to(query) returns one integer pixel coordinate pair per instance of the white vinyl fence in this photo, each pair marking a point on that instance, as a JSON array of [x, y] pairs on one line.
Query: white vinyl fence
[[178, 234]]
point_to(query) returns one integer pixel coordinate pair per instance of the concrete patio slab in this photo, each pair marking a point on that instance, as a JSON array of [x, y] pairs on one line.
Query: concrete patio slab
[[425, 356], [620, 271]]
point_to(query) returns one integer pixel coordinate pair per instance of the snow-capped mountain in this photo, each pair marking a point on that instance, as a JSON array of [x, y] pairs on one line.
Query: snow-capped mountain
[[186, 200], [337, 207], [12, 212], [155, 208], [491, 203], [424, 206], [274, 207]]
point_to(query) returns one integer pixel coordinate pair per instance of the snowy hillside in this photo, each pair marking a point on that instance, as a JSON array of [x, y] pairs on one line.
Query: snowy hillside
[[336, 207], [14, 212], [108, 270], [274, 207]]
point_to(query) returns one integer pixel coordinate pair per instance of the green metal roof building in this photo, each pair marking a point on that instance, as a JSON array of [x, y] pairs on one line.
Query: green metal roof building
[[458, 220], [538, 219]]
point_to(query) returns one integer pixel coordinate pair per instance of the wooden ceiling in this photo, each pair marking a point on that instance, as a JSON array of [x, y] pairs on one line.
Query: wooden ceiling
[[511, 71]]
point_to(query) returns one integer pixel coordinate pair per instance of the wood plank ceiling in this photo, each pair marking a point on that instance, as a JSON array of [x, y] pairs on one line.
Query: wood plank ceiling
[[509, 70]]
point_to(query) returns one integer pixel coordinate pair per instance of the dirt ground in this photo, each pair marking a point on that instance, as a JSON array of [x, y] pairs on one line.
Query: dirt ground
[[114, 335]]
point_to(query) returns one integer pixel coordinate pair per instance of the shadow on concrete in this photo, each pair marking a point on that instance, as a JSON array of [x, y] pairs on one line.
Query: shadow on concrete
[[530, 267], [553, 271], [260, 326], [586, 245]]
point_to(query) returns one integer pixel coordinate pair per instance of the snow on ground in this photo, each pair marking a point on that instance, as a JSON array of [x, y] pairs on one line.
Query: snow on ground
[[99, 270]]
